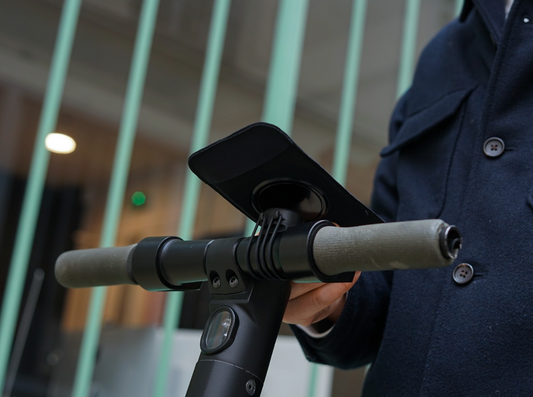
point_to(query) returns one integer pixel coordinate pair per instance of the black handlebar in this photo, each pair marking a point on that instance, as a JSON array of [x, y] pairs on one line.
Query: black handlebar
[[308, 252]]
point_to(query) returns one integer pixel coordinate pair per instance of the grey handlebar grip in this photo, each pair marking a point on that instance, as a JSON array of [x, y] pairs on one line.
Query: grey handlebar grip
[[386, 246], [95, 267]]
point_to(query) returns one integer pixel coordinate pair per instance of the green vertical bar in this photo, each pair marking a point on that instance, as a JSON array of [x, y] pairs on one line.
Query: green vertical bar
[[349, 92], [36, 179], [284, 70], [346, 114], [458, 6], [311, 391], [280, 98], [117, 187], [407, 58], [202, 125]]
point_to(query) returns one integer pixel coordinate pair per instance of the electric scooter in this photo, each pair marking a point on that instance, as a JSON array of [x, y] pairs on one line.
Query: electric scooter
[[308, 229]]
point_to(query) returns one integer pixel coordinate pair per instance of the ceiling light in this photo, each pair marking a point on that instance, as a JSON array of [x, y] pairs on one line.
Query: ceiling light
[[60, 143]]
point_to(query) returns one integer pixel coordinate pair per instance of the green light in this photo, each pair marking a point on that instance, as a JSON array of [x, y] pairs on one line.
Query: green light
[[138, 199]]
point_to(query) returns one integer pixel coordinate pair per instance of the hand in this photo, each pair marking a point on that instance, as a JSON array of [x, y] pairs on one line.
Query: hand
[[310, 303]]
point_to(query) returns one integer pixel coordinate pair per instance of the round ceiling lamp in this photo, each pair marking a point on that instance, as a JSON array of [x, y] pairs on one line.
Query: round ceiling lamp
[[60, 143]]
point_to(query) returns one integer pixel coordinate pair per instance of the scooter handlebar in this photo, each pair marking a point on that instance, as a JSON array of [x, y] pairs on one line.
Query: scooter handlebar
[[386, 246], [168, 263], [95, 267]]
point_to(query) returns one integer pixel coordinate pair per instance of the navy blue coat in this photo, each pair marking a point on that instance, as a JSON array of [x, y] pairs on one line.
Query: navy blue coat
[[424, 334]]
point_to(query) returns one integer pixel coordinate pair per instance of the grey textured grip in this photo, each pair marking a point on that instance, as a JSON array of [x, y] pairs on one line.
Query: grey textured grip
[[94, 267], [384, 246]]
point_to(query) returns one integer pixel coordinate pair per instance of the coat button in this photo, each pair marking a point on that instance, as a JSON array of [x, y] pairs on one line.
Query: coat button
[[493, 147], [463, 273]]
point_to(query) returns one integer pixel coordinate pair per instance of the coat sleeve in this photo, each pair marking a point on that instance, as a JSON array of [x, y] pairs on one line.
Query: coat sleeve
[[355, 339]]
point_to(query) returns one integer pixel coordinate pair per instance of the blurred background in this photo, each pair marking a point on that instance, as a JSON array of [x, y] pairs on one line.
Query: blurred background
[[41, 344]]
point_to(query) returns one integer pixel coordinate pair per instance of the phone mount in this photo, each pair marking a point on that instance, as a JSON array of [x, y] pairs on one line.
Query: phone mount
[[265, 175], [260, 167]]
